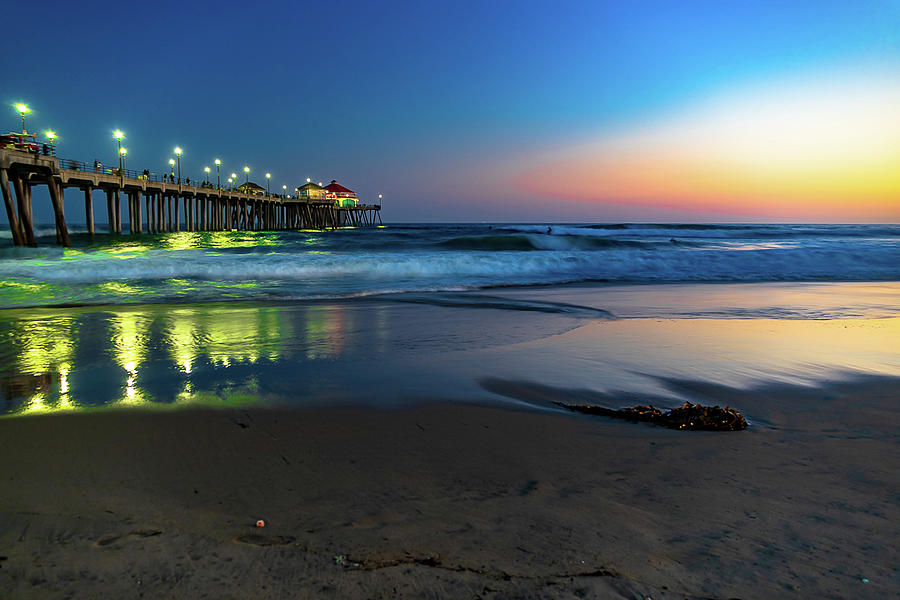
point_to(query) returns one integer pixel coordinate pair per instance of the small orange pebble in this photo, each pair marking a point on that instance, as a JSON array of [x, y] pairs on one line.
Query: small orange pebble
[[260, 523]]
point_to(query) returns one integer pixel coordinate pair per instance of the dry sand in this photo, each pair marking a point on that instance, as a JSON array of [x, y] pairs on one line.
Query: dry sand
[[455, 501]]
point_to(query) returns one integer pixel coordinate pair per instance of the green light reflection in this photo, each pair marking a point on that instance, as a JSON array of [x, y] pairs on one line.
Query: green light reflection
[[151, 355]]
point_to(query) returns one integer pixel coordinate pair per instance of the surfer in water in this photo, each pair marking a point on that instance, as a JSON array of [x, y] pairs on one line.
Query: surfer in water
[[549, 230]]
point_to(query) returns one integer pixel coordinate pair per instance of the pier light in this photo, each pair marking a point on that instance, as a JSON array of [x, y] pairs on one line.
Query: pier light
[[206, 170], [268, 177], [122, 153], [247, 173], [231, 187], [284, 187], [23, 110], [51, 135], [178, 152], [218, 181], [119, 136], [320, 184], [308, 180]]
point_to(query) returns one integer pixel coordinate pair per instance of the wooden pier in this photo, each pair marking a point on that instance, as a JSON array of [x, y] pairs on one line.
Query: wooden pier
[[156, 206]]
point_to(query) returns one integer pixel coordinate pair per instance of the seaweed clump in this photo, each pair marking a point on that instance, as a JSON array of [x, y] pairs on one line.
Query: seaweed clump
[[695, 417]]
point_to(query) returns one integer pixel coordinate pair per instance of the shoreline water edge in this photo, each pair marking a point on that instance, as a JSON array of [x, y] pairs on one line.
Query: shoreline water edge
[[384, 400]]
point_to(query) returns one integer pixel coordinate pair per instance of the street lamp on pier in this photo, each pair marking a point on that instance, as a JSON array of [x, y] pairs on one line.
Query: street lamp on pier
[[379, 200], [123, 152], [178, 152], [284, 187], [232, 180], [51, 135], [230, 187], [218, 181], [23, 110], [247, 174], [268, 177], [119, 137], [172, 167], [206, 170]]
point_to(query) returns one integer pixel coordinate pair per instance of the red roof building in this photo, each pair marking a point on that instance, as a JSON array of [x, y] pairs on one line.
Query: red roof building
[[340, 195]]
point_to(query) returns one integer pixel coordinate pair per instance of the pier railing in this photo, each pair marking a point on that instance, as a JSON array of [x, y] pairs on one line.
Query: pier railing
[[97, 167]]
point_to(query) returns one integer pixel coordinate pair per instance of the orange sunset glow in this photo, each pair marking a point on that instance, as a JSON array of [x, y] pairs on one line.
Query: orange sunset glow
[[810, 148]]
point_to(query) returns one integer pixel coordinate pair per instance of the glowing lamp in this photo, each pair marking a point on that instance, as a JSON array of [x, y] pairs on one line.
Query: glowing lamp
[[178, 151], [234, 175], [246, 169], [51, 135], [118, 134], [171, 162], [308, 180], [123, 151], [268, 175], [218, 162], [23, 109], [206, 169]]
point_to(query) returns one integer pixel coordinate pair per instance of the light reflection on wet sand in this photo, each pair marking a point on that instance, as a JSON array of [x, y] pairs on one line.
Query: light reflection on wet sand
[[386, 352]]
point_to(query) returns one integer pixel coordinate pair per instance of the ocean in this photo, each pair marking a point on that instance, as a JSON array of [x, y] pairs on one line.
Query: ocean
[[308, 265], [411, 313]]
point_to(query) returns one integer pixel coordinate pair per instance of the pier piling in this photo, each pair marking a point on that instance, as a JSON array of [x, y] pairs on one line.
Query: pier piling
[[205, 208]]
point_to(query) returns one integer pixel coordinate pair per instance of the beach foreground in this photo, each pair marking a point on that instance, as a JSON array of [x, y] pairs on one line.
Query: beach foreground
[[455, 500]]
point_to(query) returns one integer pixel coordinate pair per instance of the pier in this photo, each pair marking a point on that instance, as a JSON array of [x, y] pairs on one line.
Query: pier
[[155, 205]]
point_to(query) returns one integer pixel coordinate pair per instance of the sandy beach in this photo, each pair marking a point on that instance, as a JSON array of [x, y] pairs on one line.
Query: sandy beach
[[451, 500]]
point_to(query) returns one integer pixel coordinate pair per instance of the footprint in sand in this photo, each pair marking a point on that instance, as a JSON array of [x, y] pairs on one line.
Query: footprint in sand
[[136, 534], [262, 540]]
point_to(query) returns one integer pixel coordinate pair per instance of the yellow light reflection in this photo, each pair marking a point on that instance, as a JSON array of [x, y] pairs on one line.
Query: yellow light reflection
[[46, 344], [131, 333], [181, 337]]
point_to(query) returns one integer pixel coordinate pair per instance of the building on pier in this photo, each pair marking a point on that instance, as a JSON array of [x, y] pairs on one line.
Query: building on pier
[[251, 188], [311, 192], [341, 196]]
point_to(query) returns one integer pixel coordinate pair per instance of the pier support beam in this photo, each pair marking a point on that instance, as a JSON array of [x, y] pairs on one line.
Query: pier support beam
[[118, 211], [11, 209], [131, 211], [25, 211], [56, 197], [110, 211], [89, 209]]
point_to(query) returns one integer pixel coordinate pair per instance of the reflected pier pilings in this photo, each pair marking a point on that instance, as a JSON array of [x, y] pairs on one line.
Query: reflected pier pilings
[[156, 206]]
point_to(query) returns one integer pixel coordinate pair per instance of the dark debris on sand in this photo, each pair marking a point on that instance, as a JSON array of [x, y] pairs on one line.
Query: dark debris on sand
[[694, 417]]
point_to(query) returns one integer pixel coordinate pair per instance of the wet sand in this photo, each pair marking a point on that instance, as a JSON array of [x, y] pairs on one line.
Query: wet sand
[[450, 500]]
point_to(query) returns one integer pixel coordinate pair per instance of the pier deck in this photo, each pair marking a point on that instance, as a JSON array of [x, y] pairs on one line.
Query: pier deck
[[165, 203]]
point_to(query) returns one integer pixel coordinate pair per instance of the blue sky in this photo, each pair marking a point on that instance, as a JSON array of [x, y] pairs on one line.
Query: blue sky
[[434, 104]]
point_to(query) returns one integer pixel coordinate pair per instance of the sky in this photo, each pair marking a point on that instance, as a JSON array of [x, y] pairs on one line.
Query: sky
[[473, 111]]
